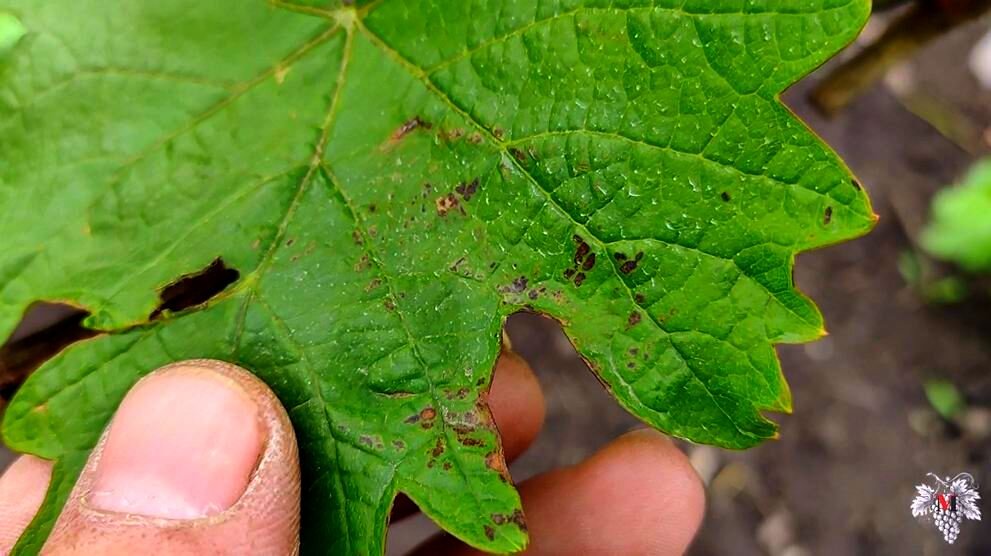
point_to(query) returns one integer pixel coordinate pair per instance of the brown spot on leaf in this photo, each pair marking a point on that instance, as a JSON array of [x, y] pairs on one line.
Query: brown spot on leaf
[[475, 138], [428, 413], [408, 127], [451, 134], [579, 278], [519, 284], [639, 298], [725, 196], [389, 304], [519, 155], [856, 185], [827, 217], [490, 532], [631, 265], [447, 203], [581, 252], [634, 318], [496, 462], [438, 448], [568, 273], [589, 262], [498, 133], [467, 190], [399, 444]]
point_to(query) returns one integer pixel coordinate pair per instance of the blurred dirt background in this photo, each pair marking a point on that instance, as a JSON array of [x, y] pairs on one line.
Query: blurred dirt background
[[863, 434]]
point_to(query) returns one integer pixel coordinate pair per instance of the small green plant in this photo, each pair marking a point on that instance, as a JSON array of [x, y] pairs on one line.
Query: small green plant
[[960, 230]]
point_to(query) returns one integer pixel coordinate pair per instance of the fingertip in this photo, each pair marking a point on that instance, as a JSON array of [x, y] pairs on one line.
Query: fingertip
[[200, 458], [638, 495], [22, 489], [517, 404]]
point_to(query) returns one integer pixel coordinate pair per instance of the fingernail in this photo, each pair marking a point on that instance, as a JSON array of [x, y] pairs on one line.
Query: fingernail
[[183, 445]]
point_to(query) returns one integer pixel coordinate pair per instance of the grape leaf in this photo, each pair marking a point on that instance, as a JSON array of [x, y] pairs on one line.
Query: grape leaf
[[960, 230], [390, 180]]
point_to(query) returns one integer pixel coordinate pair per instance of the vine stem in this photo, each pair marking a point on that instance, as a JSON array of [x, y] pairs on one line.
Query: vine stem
[[924, 22]]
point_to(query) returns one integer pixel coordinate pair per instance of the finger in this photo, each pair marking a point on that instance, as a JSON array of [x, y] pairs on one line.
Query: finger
[[22, 489], [637, 496], [199, 459], [517, 405]]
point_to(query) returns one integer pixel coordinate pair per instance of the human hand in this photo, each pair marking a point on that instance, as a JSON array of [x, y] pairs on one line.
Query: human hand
[[201, 458]]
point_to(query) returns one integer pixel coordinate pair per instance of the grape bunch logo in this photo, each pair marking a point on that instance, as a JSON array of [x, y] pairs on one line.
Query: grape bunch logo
[[946, 502]]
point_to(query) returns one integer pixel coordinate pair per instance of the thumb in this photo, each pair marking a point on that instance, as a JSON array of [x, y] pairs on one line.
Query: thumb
[[199, 459]]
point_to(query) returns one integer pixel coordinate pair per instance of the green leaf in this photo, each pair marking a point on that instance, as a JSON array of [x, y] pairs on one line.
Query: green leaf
[[960, 230], [11, 32], [391, 180], [945, 398]]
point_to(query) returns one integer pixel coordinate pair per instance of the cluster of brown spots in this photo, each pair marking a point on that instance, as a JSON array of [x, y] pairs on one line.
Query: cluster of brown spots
[[629, 265], [584, 261], [467, 190], [447, 203], [634, 319], [411, 125], [827, 217], [457, 264], [372, 442], [424, 417], [376, 282], [459, 394], [536, 292], [438, 448], [515, 517], [452, 134], [364, 263], [519, 284]]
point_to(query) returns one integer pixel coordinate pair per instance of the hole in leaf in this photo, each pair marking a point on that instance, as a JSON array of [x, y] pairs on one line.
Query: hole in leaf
[[195, 289], [44, 331]]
